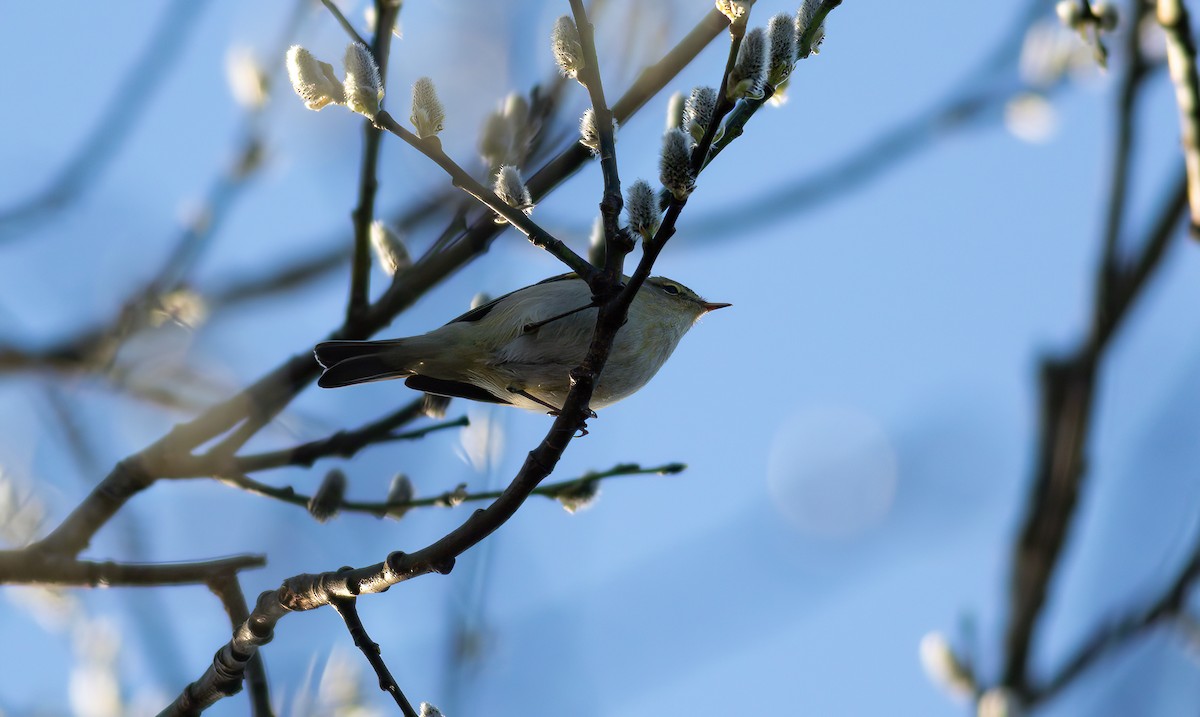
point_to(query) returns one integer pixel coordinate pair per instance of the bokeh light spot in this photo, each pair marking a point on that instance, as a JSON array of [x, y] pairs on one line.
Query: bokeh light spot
[[832, 471]]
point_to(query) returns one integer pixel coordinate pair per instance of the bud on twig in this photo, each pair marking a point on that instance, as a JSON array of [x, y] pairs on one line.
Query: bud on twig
[[808, 38], [364, 88], [943, 666], [328, 499], [313, 80], [750, 69], [247, 80], [511, 188], [675, 164], [389, 248], [999, 702], [781, 37], [642, 207], [428, 710], [734, 9], [1069, 13], [507, 133], [427, 113], [698, 111], [399, 494], [568, 50], [579, 496], [675, 110], [453, 498], [588, 135]]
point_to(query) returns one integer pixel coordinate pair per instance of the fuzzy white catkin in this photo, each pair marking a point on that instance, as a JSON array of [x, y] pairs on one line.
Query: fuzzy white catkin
[[313, 80], [247, 79], [698, 111], [750, 69], [734, 9], [589, 136], [325, 503], [428, 710], [567, 48], [808, 38], [781, 37], [511, 188], [943, 667], [400, 491], [507, 133], [580, 497], [389, 248], [363, 86], [427, 116], [641, 205], [675, 110], [999, 702], [675, 164]]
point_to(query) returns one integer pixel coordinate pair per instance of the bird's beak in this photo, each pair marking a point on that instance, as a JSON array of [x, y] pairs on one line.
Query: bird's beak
[[712, 307]]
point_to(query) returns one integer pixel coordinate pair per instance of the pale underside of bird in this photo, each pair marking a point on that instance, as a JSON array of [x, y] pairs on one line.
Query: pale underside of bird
[[519, 349]]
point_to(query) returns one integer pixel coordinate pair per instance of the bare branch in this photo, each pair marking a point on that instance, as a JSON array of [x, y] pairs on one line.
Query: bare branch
[[31, 567], [1181, 57], [370, 649]]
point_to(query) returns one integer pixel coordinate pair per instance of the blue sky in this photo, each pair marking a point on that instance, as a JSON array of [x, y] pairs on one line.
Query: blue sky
[[859, 427]]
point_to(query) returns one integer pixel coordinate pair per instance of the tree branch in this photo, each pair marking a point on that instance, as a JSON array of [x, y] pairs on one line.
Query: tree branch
[[370, 649], [227, 589], [1181, 58], [33, 568]]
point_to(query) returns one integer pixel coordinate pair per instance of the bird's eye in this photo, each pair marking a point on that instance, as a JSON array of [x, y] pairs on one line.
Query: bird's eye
[[670, 289]]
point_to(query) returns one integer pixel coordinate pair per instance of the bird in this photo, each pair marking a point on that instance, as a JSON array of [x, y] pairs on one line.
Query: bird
[[519, 349]]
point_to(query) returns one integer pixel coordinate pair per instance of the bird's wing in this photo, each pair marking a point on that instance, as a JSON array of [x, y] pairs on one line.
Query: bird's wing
[[484, 309], [453, 389]]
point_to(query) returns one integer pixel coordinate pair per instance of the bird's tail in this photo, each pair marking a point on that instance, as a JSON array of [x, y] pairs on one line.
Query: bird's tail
[[349, 362]]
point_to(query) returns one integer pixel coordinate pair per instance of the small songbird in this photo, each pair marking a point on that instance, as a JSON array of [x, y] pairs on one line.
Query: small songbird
[[520, 348]]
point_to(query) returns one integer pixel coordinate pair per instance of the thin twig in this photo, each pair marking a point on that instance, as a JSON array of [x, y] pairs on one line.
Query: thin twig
[[616, 242], [343, 444], [448, 499], [368, 183], [32, 568], [346, 607], [431, 147], [1131, 83], [337, 14], [1107, 639]]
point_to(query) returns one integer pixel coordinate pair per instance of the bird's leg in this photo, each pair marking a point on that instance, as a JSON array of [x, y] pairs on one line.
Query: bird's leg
[[530, 328], [553, 410], [522, 392]]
